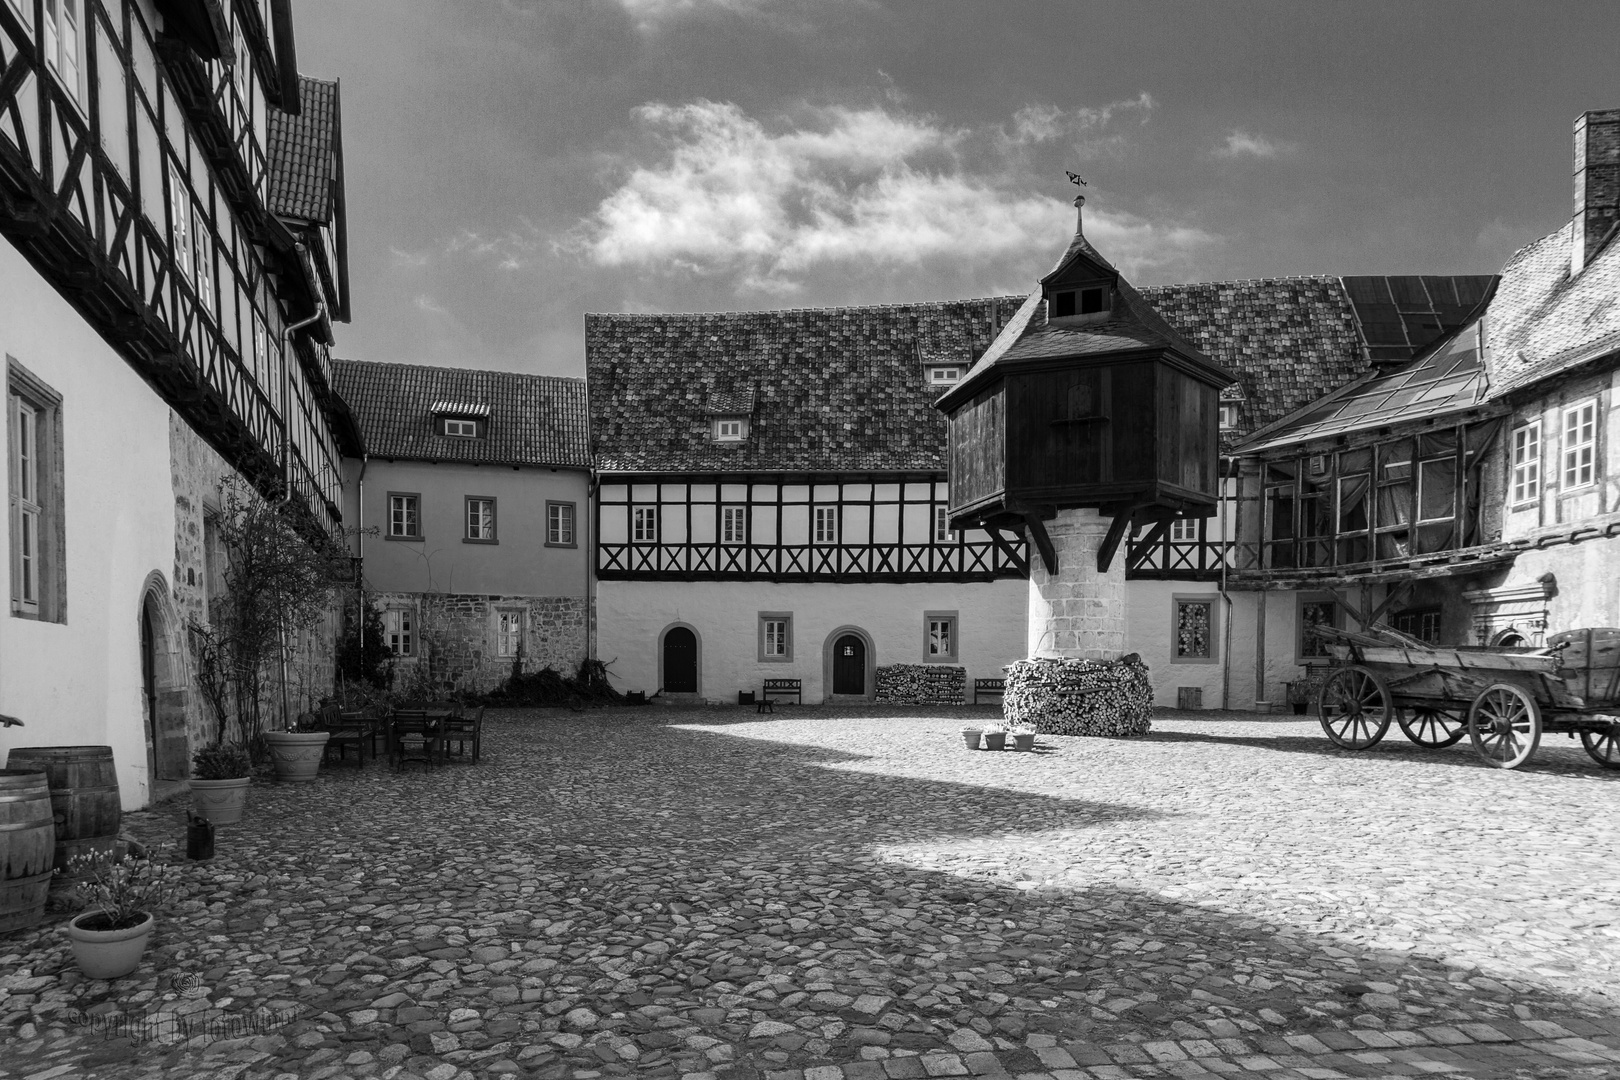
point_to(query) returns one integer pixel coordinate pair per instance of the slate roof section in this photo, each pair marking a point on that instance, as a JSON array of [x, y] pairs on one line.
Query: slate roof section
[[533, 419], [1541, 322], [837, 389], [302, 152]]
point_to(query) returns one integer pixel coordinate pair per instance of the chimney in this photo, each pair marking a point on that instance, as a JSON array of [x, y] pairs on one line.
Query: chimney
[[1597, 184]]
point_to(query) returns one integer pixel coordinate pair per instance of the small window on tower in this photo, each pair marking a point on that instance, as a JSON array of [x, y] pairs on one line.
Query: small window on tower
[[1062, 305], [1091, 301]]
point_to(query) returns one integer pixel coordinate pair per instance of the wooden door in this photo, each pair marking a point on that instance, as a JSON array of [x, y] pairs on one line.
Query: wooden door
[[168, 751], [849, 665], [680, 661]]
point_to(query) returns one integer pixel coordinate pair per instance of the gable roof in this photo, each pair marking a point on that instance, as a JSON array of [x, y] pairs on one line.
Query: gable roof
[[835, 389], [1541, 322], [533, 419], [303, 154]]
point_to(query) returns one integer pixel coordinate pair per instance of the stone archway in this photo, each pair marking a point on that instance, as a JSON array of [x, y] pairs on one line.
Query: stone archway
[[830, 668], [165, 695], [680, 662]]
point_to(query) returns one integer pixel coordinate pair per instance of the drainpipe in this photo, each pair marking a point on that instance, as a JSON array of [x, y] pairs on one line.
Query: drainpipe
[[1229, 546], [360, 538], [286, 472]]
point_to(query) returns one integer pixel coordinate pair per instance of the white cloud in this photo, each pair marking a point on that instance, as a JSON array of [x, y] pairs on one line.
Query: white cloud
[[649, 15], [1241, 143], [858, 190], [1045, 123]]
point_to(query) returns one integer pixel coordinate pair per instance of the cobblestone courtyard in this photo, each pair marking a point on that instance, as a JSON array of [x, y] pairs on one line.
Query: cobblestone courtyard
[[851, 895]]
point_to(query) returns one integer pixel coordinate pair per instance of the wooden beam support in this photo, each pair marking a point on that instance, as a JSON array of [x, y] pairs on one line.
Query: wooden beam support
[[1396, 594], [1123, 517], [1144, 546], [1043, 542], [1344, 602]]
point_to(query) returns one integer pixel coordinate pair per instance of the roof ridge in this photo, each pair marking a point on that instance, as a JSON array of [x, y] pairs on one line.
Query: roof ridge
[[793, 311], [446, 367]]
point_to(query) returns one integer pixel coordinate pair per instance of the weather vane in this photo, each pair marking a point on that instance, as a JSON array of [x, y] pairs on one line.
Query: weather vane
[[1074, 178]]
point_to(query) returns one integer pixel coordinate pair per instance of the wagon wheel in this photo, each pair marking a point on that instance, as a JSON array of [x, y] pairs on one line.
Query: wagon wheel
[[1354, 708], [1604, 746], [1505, 724], [1431, 728]]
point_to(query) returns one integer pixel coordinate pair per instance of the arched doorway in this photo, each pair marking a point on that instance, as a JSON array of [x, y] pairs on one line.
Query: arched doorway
[[848, 660], [1510, 638], [678, 661], [163, 697]]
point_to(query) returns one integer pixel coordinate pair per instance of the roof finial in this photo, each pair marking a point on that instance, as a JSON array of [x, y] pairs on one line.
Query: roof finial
[[1079, 202]]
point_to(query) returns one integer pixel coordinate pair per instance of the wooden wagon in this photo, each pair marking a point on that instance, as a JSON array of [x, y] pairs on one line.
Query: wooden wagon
[[1503, 698]]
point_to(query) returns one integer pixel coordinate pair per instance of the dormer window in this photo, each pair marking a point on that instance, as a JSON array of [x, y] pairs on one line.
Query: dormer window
[[1229, 415], [460, 419], [944, 374], [1071, 302], [730, 429], [460, 428]]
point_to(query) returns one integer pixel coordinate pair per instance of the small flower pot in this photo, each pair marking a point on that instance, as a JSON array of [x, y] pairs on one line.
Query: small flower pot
[[995, 740], [970, 736], [297, 754], [1299, 707], [1023, 740], [220, 801], [108, 954]]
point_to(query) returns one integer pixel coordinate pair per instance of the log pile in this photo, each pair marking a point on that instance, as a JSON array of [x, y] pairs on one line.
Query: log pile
[[921, 684], [1080, 697]]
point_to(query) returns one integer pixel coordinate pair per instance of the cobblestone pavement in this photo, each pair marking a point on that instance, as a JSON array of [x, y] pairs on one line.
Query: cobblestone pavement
[[852, 895]]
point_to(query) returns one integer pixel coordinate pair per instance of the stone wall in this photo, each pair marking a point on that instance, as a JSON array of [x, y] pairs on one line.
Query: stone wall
[[456, 639], [1079, 611]]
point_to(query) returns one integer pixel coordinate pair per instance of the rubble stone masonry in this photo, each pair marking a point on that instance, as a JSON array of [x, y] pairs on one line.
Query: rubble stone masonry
[[456, 647]]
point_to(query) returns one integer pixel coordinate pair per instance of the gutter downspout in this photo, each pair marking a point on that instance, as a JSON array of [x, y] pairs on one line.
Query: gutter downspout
[[1229, 546], [360, 539], [286, 475]]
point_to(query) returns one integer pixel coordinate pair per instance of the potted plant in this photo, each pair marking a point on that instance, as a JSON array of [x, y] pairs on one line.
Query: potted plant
[[1302, 692], [124, 895], [1023, 737], [297, 753], [970, 736], [995, 737], [219, 787]]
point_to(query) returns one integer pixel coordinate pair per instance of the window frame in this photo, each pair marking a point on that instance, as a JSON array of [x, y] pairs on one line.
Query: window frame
[[764, 621], [1304, 600], [1228, 415], [401, 614], [944, 374], [721, 424], [1525, 463], [446, 421], [53, 48], [182, 217], [1184, 530], [467, 537], [824, 525], [1588, 443], [518, 636], [953, 619], [943, 533], [649, 533], [1206, 600], [417, 503], [553, 534], [43, 515], [728, 514]]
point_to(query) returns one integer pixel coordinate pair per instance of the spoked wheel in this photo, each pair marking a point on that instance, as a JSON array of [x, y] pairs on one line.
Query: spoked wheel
[[1604, 746], [1431, 728], [1354, 708], [1505, 724]]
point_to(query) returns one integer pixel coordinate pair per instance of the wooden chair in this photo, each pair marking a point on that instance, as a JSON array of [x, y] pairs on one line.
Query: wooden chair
[[464, 728], [415, 735]]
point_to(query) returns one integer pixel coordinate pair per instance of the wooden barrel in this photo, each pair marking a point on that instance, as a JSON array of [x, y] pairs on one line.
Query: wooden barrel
[[84, 796], [27, 846]]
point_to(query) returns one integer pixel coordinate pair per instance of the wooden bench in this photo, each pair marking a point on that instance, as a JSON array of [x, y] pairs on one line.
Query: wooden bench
[[984, 687], [780, 688]]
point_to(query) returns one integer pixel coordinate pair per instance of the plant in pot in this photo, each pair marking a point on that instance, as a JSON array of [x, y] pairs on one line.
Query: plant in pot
[[124, 895], [995, 737], [970, 736], [219, 786], [1023, 737], [1302, 692]]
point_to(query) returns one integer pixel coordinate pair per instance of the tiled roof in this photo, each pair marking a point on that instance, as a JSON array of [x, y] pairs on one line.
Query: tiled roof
[[302, 154], [836, 389], [1541, 322], [533, 419]]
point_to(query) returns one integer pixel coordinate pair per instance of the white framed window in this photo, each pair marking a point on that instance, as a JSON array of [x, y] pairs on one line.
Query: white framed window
[[1527, 462], [940, 645], [261, 353], [560, 524], [1193, 629], [826, 530], [399, 630], [180, 224], [733, 525], [508, 633], [460, 428], [34, 486], [942, 526], [202, 262], [775, 636], [1184, 530], [644, 525], [480, 520], [64, 43], [25, 12], [1580, 444], [404, 515], [1229, 415], [729, 429], [944, 375]]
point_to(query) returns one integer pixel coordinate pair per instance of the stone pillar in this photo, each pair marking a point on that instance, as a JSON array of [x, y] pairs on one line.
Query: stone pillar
[[1077, 612]]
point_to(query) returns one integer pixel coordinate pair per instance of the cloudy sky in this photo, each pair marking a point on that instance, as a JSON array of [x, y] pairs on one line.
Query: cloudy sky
[[513, 164]]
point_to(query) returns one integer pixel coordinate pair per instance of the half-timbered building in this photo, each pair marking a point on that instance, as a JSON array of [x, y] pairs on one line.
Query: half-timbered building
[[771, 501], [165, 324]]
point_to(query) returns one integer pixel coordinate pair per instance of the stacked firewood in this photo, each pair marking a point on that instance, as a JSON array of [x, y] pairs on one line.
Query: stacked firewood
[[921, 684], [1080, 697]]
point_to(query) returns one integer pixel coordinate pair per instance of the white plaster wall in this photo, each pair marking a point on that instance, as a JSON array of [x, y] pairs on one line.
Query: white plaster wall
[[632, 614], [79, 682], [1588, 579], [1150, 633]]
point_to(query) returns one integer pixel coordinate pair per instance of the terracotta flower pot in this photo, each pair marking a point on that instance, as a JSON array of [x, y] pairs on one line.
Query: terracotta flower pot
[[1023, 740], [970, 735], [220, 801], [995, 740], [297, 754], [109, 954]]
